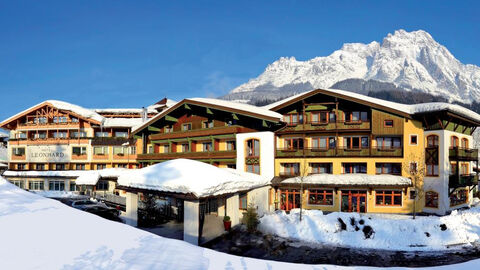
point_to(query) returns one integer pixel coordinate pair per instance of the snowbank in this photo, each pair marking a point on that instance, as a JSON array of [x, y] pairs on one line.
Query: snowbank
[[190, 176], [391, 232]]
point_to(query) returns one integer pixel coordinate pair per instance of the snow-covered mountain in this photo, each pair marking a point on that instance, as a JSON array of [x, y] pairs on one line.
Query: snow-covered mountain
[[409, 60]]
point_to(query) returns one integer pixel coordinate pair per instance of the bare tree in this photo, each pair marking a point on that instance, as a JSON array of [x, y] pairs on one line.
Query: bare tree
[[414, 168], [303, 172]]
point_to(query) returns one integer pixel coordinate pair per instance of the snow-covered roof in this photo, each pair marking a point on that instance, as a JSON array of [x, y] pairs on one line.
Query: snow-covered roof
[[119, 110], [122, 122], [355, 179], [3, 165], [238, 106], [405, 108], [84, 177], [62, 105], [190, 176]]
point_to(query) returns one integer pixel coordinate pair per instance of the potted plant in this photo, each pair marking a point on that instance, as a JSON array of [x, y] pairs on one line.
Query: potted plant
[[227, 223]]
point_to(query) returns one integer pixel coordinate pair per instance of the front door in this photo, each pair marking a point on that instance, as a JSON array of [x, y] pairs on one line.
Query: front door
[[289, 199], [354, 201]]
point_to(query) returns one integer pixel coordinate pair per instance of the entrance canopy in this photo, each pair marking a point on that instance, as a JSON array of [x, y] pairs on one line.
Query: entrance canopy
[[190, 177], [347, 180]]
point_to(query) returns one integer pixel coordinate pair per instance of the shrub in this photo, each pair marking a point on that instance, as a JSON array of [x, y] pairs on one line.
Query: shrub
[[250, 218], [226, 218]]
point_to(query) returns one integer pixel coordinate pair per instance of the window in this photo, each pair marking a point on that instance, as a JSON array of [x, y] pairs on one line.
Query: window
[[40, 120], [121, 134], [166, 148], [207, 147], [388, 168], [458, 197], [464, 143], [74, 120], [356, 116], [432, 169], [185, 147], [73, 186], [354, 167], [290, 169], [119, 150], [293, 143], [207, 124], [60, 167], [453, 168], [293, 119], [322, 117], [187, 126], [40, 167], [388, 142], [413, 194], [80, 167], [319, 168], [413, 140], [101, 166], [432, 141], [78, 134], [35, 185], [18, 151], [56, 185], [21, 167], [320, 197], [169, 129], [431, 199], [18, 183], [453, 141], [464, 169], [323, 143], [253, 148], [100, 150], [102, 185], [133, 150], [355, 142], [40, 135], [101, 134], [60, 119], [232, 166], [150, 149], [413, 167], [243, 201], [79, 150], [60, 134], [253, 168], [21, 135], [231, 146], [388, 123], [388, 198]]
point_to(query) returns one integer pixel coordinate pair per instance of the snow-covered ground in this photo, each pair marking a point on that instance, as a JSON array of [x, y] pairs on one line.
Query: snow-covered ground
[[391, 232], [40, 233]]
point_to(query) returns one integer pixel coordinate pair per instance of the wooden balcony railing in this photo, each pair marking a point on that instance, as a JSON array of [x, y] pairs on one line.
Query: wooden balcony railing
[[189, 155], [339, 152], [456, 181], [463, 154], [330, 126], [201, 132]]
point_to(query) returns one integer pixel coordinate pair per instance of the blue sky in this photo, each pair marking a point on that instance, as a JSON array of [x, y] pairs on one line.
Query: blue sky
[[133, 53]]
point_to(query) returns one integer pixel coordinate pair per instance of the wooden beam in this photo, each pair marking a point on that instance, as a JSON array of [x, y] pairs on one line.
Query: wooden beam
[[234, 116], [170, 118], [151, 128], [426, 123], [472, 130], [187, 107], [440, 122], [455, 127], [465, 128], [209, 111]]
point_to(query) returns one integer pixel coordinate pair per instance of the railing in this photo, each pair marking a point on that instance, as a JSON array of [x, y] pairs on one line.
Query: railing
[[117, 141], [466, 154], [338, 125], [339, 152], [201, 132], [190, 155], [455, 181]]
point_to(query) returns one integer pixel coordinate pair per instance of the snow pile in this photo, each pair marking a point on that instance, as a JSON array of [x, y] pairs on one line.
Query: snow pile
[[122, 122], [351, 180], [190, 176], [390, 232]]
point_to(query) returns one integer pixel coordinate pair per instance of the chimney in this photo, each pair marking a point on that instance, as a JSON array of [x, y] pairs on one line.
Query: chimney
[[144, 114]]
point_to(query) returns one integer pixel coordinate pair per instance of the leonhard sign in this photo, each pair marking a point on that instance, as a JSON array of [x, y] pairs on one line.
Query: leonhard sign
[[48, 153]]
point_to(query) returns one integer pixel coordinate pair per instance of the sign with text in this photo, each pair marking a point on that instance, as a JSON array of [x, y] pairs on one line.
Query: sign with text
[[48, 153]]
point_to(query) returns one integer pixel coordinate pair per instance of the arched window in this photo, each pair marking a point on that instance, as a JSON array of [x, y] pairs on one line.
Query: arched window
[[464, 143], [454, 142], [431, 199], [432, 141], [253, 148]]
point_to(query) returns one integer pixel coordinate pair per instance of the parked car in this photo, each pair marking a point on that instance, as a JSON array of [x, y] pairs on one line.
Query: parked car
[[97, 208]]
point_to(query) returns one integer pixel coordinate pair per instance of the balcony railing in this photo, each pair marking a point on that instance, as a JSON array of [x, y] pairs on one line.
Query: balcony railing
[[339, 152], [464, 154], [190, 155], [462, 180], [216, 131], [338, 125]]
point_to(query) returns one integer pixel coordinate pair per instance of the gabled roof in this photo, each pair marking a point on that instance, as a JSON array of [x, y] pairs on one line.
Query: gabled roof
[[394, 107], [61, 105], [223, 105]]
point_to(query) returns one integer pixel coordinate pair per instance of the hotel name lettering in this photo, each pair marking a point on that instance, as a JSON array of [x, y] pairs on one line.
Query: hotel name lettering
[[45, 153]]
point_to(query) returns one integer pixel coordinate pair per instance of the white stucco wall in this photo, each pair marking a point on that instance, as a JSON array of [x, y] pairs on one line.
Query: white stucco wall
[[191, 222], [233, 210], [267, 151], [259, 198], [131, 211]]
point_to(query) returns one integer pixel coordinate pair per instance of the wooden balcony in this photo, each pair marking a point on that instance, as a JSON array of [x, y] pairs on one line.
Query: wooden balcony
[[339, 152], [189, 155], [463, 154], [115, 141], [201, 133], [456, 181], [327, 126]]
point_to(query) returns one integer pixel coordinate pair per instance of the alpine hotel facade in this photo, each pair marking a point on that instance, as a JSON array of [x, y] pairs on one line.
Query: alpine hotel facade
[[312, 145]]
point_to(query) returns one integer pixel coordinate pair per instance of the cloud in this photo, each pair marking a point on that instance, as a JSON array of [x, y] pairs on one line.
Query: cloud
[[218, 84]]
